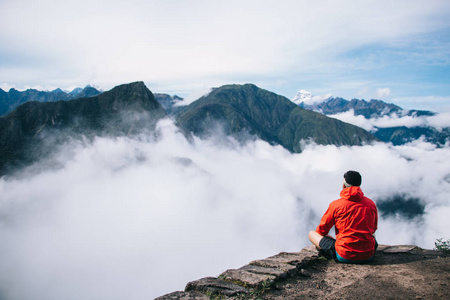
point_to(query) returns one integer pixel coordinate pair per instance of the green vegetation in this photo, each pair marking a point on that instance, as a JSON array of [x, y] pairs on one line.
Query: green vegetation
[[34, 128], [257, 292], [402, 135], [247, 109], [443, 246], [214, 296]]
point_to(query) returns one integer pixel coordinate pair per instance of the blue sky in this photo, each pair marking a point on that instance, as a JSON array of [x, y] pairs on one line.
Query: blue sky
[[397, 51]]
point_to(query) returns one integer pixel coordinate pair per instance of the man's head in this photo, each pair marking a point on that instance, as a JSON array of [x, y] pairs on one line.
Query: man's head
[[352, 178]]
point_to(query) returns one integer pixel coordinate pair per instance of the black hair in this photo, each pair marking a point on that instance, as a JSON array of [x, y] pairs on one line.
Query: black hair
[[353, 178]]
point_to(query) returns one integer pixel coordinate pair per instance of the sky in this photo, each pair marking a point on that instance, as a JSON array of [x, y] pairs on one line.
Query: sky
[[396, 51]]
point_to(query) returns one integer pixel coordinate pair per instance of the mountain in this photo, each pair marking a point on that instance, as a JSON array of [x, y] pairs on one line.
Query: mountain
[[306, 97], [375, 109], [401, 135], [31, 131], [168, 102], [368, 109], [88, 91], [34, 129], [246, 109], [302, 96], [75, 91], [13, 98]]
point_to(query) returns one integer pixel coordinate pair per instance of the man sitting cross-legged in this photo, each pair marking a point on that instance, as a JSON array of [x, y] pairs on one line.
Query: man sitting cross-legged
[[355, 218]]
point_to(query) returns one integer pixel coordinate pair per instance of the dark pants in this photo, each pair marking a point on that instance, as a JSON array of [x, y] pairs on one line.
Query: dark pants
[[327, 249]]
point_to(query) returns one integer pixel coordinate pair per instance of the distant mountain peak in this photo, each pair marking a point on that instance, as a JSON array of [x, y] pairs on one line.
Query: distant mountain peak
[[302, 96], [76, 91], [305, 97], [377, 109], [247, 109], [13, 98], [125, 110], [57, 91], [369, 109]]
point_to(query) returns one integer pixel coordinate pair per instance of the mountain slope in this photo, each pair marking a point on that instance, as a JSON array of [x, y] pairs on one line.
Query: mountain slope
[[168, 102], [304, 125], [375, 109], [402, 135], [248, 109], [368, 109], [34, 128], [13, 98]]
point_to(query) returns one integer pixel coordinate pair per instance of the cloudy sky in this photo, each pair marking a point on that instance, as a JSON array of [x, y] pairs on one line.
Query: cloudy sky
[[397, 51]]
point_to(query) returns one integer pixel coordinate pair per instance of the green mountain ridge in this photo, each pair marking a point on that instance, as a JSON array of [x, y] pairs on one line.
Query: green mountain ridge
[[30, 132], [13, 98], [273, 118], [398, 135], [401, 135], [369, 109]]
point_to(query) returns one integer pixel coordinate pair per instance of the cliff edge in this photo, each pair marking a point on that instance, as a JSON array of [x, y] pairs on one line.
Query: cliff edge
[[397, 272]]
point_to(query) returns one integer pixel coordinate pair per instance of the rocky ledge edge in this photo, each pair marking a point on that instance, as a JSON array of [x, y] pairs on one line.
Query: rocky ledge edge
[[261, 273]]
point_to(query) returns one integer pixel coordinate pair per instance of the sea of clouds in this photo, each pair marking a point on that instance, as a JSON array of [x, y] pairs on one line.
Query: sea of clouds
[[135, 218], [438, 121]]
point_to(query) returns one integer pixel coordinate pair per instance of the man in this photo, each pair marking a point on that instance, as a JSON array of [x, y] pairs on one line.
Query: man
[[355, 218]]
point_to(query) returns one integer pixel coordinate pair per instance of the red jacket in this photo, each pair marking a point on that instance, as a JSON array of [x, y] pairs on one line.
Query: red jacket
[[355, 218]]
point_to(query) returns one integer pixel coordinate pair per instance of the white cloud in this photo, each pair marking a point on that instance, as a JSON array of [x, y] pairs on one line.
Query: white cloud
[[70, 43], [6, 86], [438, 121], [307, 98], [434, 103], [351, 118], [441, 120], [120, 215], [395, 121], [383, 93], [194, 95]]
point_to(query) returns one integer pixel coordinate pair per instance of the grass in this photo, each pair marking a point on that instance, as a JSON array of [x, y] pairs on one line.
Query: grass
[[443, 246]]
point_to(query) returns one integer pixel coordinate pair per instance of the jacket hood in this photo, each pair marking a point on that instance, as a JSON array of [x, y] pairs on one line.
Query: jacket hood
[[353, 193]]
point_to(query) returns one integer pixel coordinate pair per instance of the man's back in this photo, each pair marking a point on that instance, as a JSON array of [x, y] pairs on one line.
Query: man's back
[[355, 219]]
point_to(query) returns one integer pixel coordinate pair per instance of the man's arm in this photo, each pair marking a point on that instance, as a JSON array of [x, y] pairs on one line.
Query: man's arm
[[327, 222]]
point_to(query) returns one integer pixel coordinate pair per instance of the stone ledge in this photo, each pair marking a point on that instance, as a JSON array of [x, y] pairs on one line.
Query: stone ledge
[[215, 286], [261, 270], [258, 273], [184, 296], [399, 249], [247, 278]]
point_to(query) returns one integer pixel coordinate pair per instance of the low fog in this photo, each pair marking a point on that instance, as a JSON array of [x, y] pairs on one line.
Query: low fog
[[438, 121], [137, 218]]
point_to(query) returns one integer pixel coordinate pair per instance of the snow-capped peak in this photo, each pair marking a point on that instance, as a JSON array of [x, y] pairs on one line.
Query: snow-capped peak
[[308, 99], [302, 96]]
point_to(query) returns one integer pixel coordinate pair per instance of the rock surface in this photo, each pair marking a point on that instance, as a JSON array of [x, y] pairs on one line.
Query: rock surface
[[215, 286], [397, 272]]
